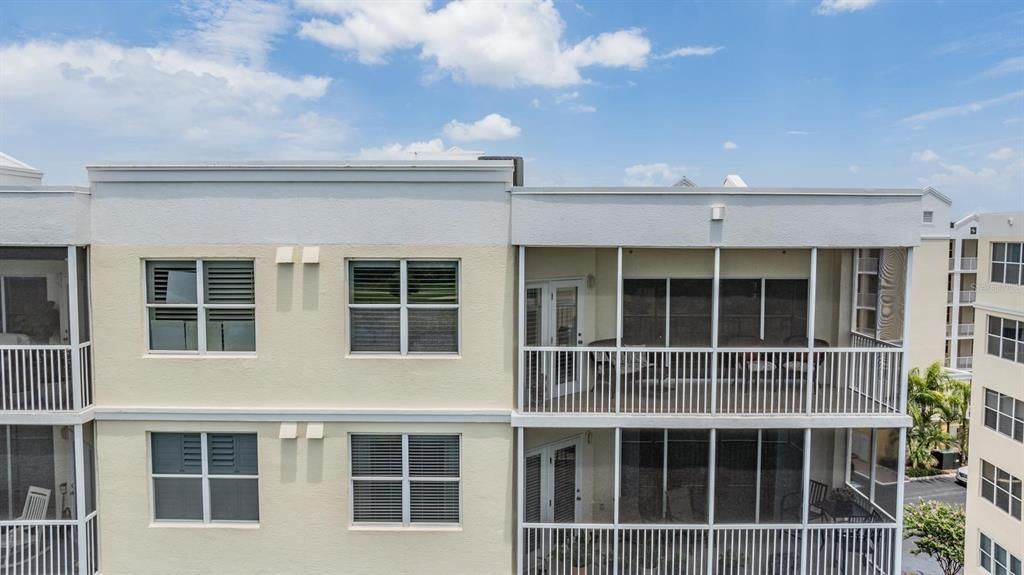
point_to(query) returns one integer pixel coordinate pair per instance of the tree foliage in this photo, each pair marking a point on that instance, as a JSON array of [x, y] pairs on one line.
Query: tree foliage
[[939, 529], [936, 402]]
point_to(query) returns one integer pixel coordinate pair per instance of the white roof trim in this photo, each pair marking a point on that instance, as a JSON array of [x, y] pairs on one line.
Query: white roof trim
[[11, 163], [945, 199]]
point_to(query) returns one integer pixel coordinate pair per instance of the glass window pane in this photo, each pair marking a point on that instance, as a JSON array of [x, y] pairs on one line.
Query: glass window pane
[[376, 330], [1013, 252], [781, 489], [736, 476], [642, 464], [785, 312], [998, 270], [432, 282], [998, 252], [887, 455], [173, 329], [434, 455], [991, 399], [993, 345], [739, 312], [434, 502], [377, 501], [988, 490], [229, 282], [687, 481], [690, 313], [234, 500], [171, 282], [995, 326], [860, 464], [232, 454], [177, 453], [178, 498], [433, 330], [376, 455], [375, 282], [1013, 274], [988, 471], [643, 312], [231, 330], [991, 418]]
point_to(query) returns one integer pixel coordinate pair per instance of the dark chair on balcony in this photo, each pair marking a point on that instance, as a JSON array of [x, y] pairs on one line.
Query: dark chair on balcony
[[792, 503]]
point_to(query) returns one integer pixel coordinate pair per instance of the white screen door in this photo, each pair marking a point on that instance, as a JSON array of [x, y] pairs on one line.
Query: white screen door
[[554, 318], [552, 489]]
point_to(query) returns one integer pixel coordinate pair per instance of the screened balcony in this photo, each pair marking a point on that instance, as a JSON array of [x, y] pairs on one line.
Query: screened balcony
[[700, 501], [47, 500], [700, 332], [45, 350]]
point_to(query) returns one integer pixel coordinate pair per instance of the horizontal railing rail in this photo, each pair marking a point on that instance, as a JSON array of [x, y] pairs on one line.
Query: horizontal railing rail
[[30, 547], [968, 296], [863, 379], [968, 264], [965, 329], [833, 549], [41, 378]]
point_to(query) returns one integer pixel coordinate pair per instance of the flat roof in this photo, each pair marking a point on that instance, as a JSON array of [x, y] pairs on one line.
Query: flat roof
[[301, 165], [708, 190]]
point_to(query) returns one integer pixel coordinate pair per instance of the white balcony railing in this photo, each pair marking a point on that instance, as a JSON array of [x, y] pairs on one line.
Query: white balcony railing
[[968, 264], [736, 381], [49, 547], [596, 549], [965, 363], [40, 378], [965, 330], [968, 296]]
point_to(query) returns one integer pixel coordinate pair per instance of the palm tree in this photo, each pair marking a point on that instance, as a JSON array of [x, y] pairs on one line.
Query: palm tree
[[933, 398]]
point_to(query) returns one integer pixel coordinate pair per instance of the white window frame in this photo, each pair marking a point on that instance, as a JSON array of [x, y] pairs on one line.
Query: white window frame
[[1003, 341], [1016, 415], [997, 488], [205, 476], [989, 552], [404, 306], [1005, 261], [200, 306], [406, 489]]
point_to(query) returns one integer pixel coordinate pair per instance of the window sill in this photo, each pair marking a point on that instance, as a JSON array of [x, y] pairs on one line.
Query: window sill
[[201, 525], [180, 355], [416, 528], [400, 356]]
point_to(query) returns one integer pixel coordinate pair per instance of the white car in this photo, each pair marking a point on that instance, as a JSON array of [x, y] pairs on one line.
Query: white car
[[961, 476]]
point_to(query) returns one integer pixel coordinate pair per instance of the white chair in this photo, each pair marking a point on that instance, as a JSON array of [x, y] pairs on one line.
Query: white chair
[[23, 543]]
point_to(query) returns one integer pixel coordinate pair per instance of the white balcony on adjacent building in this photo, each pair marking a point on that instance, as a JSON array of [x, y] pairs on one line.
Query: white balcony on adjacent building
[[45, 349], [968, 264], [968, 296]]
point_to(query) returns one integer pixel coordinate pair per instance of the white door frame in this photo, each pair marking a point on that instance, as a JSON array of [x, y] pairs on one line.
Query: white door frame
[[548, 337], [547, 476]]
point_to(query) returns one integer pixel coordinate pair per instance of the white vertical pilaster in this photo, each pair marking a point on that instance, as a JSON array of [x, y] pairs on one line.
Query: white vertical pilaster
[[900, 467], [618, 489], [954, 310], [806, 502], [812, 295], [715, 282], [520, 488], [74, 333], [80, 494], [618, 329], [712, 448], [905, 363], [521, 328]]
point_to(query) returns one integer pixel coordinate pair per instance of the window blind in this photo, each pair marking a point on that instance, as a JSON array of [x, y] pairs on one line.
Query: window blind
[[229, 282]]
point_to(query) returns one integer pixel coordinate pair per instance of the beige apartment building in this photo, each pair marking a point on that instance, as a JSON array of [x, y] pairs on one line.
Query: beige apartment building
[[427, 367], [995, 534]]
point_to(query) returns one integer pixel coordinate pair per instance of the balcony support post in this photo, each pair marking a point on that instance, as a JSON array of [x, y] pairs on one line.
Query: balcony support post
[[618, 488], [73, 329], [520, 491], [812, 291], [715, 282], [805, 502], [521, 333], [904, 364], [80, 495], [900, 465], [618, 330], [712, 448], [954, 309]]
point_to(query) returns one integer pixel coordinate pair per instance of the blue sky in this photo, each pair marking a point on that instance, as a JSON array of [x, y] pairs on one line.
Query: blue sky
[[834, 93]]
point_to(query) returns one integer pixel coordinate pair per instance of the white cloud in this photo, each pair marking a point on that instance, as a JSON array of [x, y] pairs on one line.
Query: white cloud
[[503, 44], [686, 51], [566, 96], [978, 182], [961, 109], [658, 174], [431, 149], [582, 108], [1009, 66], [1003, 154], [210, 97], [729, 145], [535, 103], [854, 169], [490, 127], [797, 133], [829, 7], [925, 156]]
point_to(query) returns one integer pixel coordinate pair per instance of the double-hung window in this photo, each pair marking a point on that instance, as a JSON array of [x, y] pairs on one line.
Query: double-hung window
[[1007, 261], [1006, 338], [201, 306], [1001, 489], [405, 479], [1004, 414], [996, 560], [205, 477], [404, 306]]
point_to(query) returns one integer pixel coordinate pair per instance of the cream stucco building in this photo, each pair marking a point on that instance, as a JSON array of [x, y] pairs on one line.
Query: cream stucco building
[[427, 367], [995, 534]]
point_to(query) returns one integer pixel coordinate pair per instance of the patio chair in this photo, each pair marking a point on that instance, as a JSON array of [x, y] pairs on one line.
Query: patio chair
[[23, 543], [792, 502]]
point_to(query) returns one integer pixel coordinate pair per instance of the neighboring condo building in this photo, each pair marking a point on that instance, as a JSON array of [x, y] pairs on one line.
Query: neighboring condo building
[[426, 367], [995, 534], [961, 292]]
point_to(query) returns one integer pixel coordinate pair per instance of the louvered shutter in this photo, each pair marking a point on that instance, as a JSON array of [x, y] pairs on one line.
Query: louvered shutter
[[375, 282], [232, 454], [378, 500], [177, 498], [229, 282], [171, 282], [430, 282], [434, 500], [565, 485], [177, 453], [532, 488], [375, 329]]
